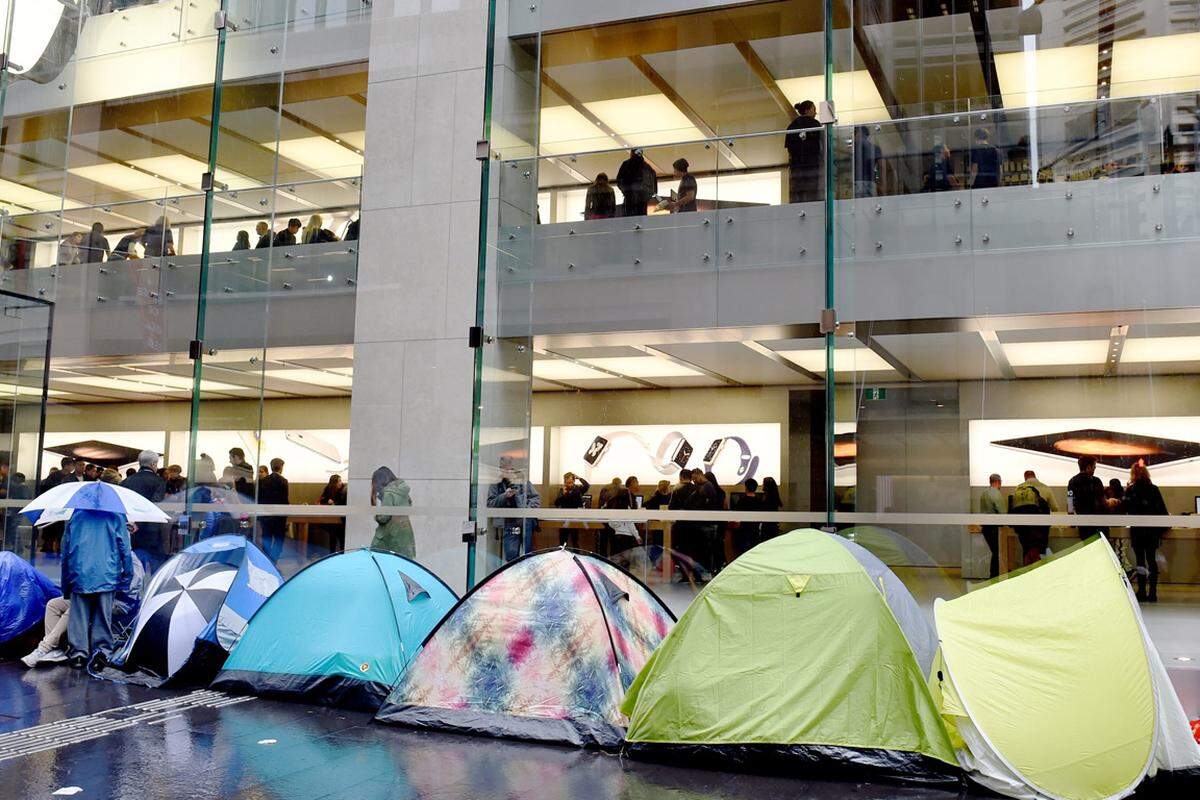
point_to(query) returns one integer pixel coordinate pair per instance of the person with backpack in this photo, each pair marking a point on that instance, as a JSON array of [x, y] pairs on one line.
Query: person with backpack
[[1031, 497]]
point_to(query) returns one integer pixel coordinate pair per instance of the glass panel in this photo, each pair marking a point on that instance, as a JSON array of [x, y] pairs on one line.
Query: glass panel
[[272, 413], [1007, 286], [25, 332], [655, 273]]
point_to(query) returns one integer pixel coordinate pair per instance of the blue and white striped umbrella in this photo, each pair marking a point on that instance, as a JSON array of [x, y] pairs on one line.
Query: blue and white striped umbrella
[[58, 503]]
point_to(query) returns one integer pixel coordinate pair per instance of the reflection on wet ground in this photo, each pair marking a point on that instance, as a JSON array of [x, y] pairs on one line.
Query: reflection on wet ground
[[268, 750]]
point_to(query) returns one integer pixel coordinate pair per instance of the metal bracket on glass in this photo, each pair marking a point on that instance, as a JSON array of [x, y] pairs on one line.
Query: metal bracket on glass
[[3, 61], [470, 532], [829, 320], [826, 114], [221, 21], [483, 150], [195, 346], [475, 337]]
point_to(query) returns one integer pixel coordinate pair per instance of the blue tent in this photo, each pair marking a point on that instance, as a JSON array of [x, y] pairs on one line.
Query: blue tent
[[340, 632], [23, 595], [194, 610]]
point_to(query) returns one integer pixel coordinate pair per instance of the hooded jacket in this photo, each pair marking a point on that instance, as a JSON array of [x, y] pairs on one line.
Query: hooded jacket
[[96, 553], [395, 532]]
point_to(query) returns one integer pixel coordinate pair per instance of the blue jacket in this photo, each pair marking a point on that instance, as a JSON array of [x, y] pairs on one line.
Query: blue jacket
[[96, 553]]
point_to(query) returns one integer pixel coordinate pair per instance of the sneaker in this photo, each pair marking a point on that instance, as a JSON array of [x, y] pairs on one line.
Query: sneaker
[[33, 658], [55, 656]]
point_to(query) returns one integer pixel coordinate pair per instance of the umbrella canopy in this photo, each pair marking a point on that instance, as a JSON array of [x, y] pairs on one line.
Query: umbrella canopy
[[194, 610], [93, 496]]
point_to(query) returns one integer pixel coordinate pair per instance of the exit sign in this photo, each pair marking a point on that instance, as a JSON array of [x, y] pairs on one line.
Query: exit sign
[[874, 394]]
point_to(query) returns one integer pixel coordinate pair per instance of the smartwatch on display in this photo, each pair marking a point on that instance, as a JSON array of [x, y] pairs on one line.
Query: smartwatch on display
[[748, 464], [672, 454]]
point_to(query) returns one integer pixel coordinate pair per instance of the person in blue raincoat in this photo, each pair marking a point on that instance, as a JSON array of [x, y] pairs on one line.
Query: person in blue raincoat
[[97, 562]]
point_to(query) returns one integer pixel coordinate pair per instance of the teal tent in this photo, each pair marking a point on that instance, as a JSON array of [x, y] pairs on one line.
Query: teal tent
[[340, 632]]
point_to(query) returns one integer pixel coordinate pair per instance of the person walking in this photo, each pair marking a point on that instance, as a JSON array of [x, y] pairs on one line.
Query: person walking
[[638, 182], [805, 145], [273, 490], [992, 502], [1144, 498], [97, 562], [148, 537], [866, 156], [601, 200], [393, 532], [1085, 495]]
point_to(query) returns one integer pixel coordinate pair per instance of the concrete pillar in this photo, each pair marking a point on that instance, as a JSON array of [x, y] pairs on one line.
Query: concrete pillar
[[411, 407]]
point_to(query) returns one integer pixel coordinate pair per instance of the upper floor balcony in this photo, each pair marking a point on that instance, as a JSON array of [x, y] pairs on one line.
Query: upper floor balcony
[[1064, 208]]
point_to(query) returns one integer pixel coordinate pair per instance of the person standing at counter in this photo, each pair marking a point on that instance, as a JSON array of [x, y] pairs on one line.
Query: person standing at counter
[[570, 496], [1085, 495], [992, 502], [95, 246], [157, 240], [1143, 497], [661, 497], [1031, 497], [746, 534]]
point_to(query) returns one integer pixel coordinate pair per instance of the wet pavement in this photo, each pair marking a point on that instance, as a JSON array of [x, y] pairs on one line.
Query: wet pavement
[[186, 744]]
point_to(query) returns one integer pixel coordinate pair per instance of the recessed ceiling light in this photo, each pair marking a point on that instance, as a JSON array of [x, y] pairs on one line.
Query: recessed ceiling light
[[1183, 658], [845, 360], [1048, 76], [1045, 354], [855, 95], [643, 367]]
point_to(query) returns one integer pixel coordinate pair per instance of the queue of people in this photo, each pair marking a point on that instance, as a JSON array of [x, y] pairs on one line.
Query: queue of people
[[1086, 495], [157, 240], [704, 545]]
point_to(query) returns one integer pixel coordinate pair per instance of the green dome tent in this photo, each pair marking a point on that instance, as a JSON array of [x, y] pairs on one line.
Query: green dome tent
[[1053, 687], [805, 656]]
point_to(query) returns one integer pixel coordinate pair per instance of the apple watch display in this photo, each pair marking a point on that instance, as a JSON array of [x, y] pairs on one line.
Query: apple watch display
[[596, 450]]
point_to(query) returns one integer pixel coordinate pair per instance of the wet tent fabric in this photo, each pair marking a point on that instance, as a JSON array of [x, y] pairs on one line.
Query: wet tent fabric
[[195, 608], [542, 650], [792, 661], [1053, 686], [339, 632], [24, 593]]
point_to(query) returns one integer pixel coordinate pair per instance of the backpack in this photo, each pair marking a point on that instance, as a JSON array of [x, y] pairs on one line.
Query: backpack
[[1026, 499]]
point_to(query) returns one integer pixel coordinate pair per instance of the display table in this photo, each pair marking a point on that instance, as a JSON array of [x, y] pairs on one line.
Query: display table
[[587, 537]]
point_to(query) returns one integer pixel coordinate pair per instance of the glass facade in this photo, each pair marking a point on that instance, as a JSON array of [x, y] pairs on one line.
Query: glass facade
[[879, 254], [851, 260]]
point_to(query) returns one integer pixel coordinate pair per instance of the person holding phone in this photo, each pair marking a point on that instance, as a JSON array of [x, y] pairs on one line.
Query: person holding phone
[[570, 496], [513, 491]]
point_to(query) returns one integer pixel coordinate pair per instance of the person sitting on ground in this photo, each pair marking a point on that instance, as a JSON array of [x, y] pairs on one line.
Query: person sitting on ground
[[125, 607], [287, 236]]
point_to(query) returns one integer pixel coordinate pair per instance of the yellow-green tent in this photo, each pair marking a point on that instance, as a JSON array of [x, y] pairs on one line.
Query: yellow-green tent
[[804, 656], [1052, 686]]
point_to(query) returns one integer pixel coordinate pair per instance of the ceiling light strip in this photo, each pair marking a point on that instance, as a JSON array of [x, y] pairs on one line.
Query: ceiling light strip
[[663, 354], [767, 352], [606, 371]]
